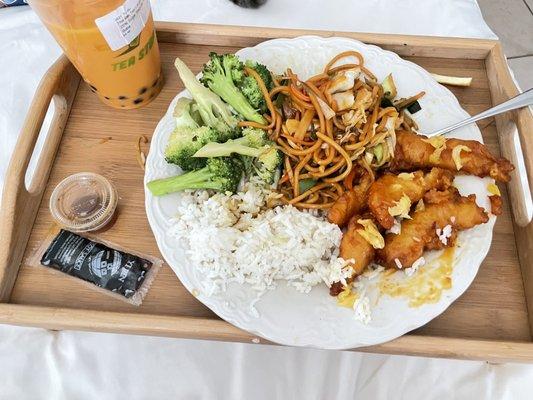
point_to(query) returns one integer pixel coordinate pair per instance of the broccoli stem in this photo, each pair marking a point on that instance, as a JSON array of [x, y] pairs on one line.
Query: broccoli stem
[[210, 105], [213, 149], [231, 95], [200, 179]]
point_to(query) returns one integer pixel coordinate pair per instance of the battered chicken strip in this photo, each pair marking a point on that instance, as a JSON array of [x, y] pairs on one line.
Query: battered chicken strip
[[420, 232], [356, 247], [350, 202], [389, 189], [416, 152], [496, 204]]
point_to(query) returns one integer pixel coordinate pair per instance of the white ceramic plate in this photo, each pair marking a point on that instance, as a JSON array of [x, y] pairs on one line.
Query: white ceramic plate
[[313, 319]]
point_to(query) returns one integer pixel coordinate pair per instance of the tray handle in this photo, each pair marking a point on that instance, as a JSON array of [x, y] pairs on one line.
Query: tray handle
[[519, 125], [512, 125], [20, 204]]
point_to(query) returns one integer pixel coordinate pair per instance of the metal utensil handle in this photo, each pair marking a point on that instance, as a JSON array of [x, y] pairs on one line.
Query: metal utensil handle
[[522, 100]]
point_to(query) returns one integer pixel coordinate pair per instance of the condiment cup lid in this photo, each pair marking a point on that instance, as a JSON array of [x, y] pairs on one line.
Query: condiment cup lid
[[83, 202]]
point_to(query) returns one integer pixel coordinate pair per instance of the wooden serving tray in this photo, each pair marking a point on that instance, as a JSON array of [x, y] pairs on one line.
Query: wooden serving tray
[[489, 322]]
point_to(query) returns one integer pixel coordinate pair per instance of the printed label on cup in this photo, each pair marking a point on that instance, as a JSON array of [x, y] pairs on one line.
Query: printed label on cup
[[122, 25]]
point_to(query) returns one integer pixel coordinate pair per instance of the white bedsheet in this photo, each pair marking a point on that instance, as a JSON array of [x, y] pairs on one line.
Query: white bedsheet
[[40, 364]]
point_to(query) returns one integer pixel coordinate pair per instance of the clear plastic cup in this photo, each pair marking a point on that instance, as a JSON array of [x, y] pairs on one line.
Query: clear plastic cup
[[112, 43]]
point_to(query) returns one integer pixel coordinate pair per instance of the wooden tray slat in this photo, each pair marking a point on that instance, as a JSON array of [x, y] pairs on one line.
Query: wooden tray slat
[[404, 45], [490, 321]]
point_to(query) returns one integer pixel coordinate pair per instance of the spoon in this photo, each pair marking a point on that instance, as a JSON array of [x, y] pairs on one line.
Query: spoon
[[522, 100]]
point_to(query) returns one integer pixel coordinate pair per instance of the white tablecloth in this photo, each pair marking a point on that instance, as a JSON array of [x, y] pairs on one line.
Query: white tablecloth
[[40, 364]]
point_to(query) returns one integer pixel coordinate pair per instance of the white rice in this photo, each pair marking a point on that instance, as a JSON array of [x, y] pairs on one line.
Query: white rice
[[235, 238], [414, 268], [444, 234], [362, 308]]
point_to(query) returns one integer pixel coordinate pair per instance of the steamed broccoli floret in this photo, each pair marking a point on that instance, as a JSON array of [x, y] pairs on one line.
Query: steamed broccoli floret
[[259, 155], [267, 164], [184, 142], [263, 72], [253, 94], [248, 164], [255, 137], [250, 88], [189, 135], [220, 75], [252, 143], [213, 111], [186, 114], [222, 174]]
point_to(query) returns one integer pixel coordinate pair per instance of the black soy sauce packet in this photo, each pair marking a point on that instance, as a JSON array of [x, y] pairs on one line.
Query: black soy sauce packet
[[115, 270]]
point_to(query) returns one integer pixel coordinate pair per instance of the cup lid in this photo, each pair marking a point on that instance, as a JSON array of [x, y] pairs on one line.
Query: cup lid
[[83, 202]]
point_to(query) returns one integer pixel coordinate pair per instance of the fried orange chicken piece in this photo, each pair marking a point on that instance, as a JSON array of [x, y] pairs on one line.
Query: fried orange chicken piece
[[336, 288], [422, 231], [416, 152], [436, 244], [356, 247], [353, 245], [387, 191], [350, 202], [496, 204]]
